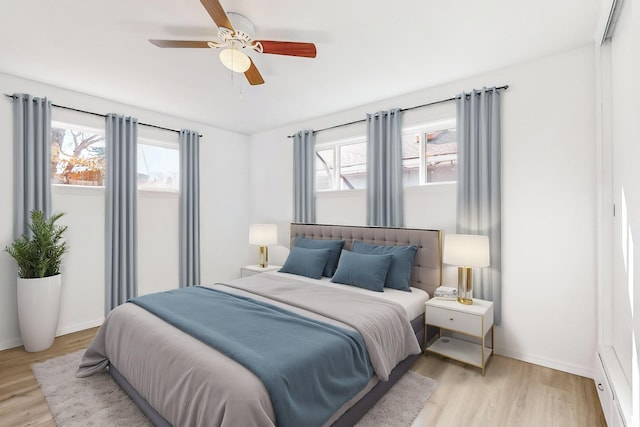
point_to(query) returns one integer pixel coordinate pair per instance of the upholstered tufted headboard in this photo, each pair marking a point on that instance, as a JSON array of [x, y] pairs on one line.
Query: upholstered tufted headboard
[[427, 267]]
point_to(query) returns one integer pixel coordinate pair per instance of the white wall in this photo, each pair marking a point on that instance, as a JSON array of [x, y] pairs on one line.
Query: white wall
[[549, 199], [224, 206], [549, 285], [349, 208], [83, 266]]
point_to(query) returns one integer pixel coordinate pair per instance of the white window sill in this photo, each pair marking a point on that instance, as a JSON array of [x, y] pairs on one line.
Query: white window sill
[[99, 189], [77, 189], [159, 193], [436, 187], [341, 193]]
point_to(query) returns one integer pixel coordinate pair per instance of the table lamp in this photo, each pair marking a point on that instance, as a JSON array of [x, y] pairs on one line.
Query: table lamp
[[263, 235], [466, 251]]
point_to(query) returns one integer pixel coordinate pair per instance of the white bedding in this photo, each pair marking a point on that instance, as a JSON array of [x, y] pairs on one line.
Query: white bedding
[[412, 302]]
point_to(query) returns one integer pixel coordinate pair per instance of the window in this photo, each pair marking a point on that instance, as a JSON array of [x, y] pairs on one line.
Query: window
[[411, 154], [342, 166], [430, 153], [158, 166], [78, 158], [77, 155], [353, 166], [325, 166]]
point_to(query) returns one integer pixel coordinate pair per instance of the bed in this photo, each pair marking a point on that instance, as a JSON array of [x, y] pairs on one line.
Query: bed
[[177, 379]]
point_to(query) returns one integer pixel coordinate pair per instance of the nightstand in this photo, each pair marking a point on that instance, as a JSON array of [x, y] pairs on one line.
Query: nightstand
[[475, 320], [250, 270]]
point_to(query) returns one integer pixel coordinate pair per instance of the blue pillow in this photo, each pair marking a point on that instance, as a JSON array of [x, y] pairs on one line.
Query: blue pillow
[[334, 246], [399, 275], [306, 262], [362, 270]]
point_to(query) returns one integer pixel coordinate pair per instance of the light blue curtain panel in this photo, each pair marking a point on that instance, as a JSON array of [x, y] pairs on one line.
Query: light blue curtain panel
[[121, 226], [385, 199], [189, 208], [304, 177], [479, 183], [32, 159]]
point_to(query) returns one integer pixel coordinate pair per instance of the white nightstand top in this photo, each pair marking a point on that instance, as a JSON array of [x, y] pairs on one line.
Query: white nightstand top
[[259, 269], [479, 307]]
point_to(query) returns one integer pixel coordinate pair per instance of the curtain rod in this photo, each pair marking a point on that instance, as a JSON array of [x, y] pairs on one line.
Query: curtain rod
[[505, 87], [104, 115]]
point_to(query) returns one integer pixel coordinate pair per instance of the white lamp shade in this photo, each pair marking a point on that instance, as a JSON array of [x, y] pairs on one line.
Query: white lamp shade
[[263, 234], [466, 250], [235, 60]]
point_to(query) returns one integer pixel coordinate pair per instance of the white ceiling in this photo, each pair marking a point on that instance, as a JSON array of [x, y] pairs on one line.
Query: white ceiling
[[367, 50]]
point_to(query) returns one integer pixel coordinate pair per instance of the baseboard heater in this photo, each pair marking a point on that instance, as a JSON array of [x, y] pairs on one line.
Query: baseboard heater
[[613, 388]]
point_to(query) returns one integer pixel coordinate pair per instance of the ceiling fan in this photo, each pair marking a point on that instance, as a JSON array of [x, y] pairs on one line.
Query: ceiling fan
[[235, 34]]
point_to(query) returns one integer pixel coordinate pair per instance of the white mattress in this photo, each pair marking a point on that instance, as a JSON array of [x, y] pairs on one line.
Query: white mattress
[[412, 302]]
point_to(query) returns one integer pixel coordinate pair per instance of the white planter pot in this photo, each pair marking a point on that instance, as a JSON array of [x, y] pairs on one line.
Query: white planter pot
[[38, 311]]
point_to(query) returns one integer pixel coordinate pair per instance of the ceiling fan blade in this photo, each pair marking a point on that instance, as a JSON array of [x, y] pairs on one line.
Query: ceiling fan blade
[[253, 75], [179, 43], [217, 13], [307, 50]]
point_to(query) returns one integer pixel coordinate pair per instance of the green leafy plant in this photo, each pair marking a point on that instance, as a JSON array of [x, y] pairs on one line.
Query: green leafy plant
[[40, 254]]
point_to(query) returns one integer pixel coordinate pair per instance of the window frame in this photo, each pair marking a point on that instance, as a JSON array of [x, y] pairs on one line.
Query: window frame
[[423, 129], [162, 144], [337, 164]]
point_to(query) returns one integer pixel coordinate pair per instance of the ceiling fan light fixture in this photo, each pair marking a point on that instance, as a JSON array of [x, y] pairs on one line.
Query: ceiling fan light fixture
[[236, 36], [235, 60]]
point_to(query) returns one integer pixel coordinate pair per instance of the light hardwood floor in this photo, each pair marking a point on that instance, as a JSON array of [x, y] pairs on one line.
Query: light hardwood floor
[[512, 393], [21, 402]]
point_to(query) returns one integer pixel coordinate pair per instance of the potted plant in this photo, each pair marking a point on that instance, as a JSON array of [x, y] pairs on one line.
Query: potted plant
[[38, 256]]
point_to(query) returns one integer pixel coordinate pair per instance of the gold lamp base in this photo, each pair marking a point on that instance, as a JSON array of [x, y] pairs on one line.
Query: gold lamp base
[[465, 286], [264, 256]]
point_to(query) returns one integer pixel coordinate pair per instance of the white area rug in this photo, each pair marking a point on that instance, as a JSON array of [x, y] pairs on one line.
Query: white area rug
[[99, 401], [402, 404]]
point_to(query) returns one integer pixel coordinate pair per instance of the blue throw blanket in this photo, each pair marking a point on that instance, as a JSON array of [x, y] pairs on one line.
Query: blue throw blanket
[[309, 368]]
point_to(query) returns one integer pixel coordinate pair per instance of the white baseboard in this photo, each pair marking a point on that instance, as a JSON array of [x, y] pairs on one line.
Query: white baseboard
[[79, 327], [10, 343], [17, 342], [583, 371]]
